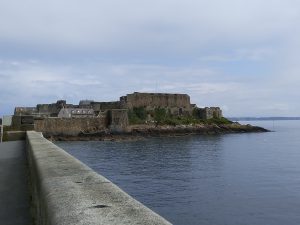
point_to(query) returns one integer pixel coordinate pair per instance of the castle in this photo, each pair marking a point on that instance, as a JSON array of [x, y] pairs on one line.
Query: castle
[[115, 114]]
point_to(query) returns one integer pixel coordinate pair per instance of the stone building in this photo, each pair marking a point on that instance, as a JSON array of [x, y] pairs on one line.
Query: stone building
[[208, 113], [99, 107], [114, 114], [177, 104], [23, 111], [76, 113], [52, 110], [23, 122], [118, 120], [85, 103]]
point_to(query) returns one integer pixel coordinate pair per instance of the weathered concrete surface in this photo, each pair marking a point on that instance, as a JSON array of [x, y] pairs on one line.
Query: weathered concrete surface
[[66, 191], [14, 193]]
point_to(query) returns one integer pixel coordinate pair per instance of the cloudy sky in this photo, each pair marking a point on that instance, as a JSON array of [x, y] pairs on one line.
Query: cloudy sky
[[241, 55]]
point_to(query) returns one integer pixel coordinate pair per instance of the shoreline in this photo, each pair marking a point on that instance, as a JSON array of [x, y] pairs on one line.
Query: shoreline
[[139, 132]]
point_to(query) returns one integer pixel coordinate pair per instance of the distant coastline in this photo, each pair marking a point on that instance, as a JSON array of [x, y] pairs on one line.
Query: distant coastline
[[262, 118]]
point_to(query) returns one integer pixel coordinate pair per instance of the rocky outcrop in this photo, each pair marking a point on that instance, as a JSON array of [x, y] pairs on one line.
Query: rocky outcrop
[[194, 129], [141, 131]]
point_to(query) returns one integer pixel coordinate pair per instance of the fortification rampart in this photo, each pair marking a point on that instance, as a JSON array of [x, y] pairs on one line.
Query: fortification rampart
[[103, 106], [154, 100], [25, 111], [70, 126], [110, 115], [118, 120], [208, 113]]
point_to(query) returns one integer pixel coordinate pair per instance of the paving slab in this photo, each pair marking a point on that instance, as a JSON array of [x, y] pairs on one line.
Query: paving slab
[[14, 191]]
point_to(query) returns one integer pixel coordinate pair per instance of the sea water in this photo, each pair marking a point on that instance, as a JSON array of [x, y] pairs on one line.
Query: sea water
[[234, 179]]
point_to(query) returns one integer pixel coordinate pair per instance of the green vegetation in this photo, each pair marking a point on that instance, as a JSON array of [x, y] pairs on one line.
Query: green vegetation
[[140, 112], [181, 120], [218, 121], [162, 116], [137, 115]]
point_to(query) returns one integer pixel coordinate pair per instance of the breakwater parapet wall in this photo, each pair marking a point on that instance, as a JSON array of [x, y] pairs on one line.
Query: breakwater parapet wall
[[66, 191]]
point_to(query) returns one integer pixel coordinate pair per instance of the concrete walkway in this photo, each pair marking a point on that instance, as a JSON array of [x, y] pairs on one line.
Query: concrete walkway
[[14, 195]]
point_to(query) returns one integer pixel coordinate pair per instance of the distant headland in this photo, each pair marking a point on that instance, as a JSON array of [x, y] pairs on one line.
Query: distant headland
[[136, 114], [263, 118]]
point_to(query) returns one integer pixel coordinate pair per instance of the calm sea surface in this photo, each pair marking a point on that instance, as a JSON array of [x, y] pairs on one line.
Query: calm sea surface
[[234, 179]]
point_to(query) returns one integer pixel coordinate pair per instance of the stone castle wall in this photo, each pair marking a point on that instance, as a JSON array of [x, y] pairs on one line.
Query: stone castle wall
[[70, 126], [154, 100], [110, 115], [52, 109], [25, 111], [118, 120], [208, 113], [103, 106], [22, 123]]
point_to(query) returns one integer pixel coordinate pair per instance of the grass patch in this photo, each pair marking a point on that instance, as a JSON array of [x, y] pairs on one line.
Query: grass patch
[[218, 121], [137, 115], [162, 116]]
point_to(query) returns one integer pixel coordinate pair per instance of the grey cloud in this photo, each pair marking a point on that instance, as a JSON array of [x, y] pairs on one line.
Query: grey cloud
[[191, 46], [183, 26], [254, 54], [41, 83]]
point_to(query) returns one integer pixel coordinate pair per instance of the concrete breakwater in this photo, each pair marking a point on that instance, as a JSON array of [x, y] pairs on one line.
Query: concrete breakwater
[[66, 191]]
